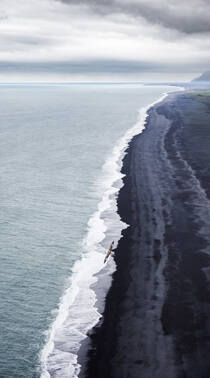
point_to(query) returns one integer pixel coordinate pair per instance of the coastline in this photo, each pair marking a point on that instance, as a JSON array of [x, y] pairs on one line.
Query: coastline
[[147, 328], [100, 287], [82, 303], [132, 299]]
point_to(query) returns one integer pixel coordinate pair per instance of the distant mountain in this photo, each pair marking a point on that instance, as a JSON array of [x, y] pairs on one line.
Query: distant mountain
[[204, 77]]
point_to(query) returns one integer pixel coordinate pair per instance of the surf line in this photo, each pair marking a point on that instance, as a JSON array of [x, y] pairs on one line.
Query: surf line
[[63, 362]]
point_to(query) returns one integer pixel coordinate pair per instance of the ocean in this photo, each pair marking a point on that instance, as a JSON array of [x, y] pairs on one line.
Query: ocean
[[61, 152]]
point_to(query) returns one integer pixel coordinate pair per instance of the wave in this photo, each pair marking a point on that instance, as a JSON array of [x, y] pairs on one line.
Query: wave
[[79, 309]]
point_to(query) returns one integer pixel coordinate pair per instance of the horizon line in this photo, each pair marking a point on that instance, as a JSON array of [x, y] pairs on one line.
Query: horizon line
[[92, 82]]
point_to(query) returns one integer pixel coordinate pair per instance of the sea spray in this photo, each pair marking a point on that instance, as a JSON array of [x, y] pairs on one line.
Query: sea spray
[[77, 312]]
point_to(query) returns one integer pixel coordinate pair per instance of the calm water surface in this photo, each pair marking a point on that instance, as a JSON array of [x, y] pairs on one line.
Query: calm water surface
[[54, 141]]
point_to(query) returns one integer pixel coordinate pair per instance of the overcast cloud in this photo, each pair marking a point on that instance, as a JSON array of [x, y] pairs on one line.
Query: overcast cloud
[[186, 16], [103, 40]]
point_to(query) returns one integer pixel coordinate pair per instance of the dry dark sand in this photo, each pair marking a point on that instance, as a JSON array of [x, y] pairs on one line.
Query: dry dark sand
[[156, 321]]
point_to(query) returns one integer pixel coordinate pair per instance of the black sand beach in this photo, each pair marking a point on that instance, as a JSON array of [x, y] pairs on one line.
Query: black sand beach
[[156, 321]]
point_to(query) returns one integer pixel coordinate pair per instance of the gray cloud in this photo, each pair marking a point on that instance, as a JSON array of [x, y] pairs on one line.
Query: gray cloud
[[185, 16], [97, 66], [104, 40], [78, 67]]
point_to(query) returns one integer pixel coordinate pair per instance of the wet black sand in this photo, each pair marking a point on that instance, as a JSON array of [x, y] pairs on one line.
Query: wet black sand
[[156, 321]]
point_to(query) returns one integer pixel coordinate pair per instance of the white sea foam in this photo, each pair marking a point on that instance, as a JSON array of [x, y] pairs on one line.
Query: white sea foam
[[77, 311]]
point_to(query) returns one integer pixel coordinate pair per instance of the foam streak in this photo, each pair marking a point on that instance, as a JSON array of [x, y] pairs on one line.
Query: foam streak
[[77, 311]]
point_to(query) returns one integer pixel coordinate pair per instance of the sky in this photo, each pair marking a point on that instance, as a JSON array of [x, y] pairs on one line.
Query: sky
[[104, 40]]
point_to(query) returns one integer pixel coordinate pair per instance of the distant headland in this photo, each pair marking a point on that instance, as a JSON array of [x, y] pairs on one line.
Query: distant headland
[[203, 77]]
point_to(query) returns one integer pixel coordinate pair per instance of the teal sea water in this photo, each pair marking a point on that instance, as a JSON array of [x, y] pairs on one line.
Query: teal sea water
[[61, 148]]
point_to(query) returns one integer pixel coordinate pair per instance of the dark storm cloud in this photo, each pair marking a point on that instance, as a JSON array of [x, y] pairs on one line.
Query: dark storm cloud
[[186, 16]]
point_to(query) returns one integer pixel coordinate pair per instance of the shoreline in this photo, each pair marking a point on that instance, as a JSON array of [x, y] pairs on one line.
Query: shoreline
[[98, 287], [98, 364], [94, 284], [147, 327]]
